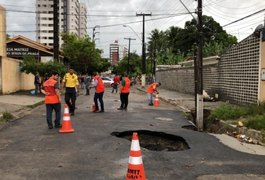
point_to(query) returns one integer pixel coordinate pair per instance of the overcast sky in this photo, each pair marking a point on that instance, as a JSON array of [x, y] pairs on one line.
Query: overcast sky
[[109, 15]]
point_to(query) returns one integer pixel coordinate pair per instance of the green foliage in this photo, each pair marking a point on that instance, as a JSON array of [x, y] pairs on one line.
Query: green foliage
[[175, 44], [6, 116], [82, 55], [134, 65], [227, 111], [255, 109], [254, 114], [213, 48], [256, 122], [30, 65]]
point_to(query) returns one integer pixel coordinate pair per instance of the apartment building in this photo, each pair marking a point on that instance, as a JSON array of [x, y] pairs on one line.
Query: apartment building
[[72, 19]]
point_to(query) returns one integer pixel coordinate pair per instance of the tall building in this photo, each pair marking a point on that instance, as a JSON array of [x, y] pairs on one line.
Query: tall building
[[82, 20], [72, 19], [114, 53]]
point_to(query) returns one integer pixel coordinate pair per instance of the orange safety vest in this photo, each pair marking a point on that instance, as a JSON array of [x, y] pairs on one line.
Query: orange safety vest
[[150, 89], [126, 87], [100, 86], [51, 96]]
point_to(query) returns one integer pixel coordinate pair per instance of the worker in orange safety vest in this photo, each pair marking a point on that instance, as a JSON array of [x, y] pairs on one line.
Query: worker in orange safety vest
[[52, 100], [151, 89], [99, 92], [124, 92]]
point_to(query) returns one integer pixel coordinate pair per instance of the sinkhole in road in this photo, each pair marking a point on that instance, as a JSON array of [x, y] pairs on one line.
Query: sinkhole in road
[[156, 141]]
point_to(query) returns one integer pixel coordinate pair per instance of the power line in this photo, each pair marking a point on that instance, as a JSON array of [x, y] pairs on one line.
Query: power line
[[93, 15], [110, 25], [244, 18]]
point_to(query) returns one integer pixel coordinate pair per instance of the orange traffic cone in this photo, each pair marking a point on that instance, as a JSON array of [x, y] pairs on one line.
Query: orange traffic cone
[[67, 125], [135, 166], [156, 101]]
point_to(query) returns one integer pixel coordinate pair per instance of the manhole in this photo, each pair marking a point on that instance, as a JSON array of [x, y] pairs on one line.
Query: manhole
[[156, 141]]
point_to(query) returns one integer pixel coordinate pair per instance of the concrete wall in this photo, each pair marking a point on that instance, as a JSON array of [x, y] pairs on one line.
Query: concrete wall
[[236, 77], [182, 79], [239, 72], [12, 79]]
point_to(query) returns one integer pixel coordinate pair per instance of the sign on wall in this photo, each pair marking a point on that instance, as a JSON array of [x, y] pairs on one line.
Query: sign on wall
[[17, 50], [21, 52]]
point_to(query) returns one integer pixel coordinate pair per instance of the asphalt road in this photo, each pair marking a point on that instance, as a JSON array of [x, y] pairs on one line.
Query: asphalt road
[[29, 150]]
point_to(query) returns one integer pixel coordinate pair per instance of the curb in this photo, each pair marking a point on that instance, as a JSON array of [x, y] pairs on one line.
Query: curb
[[20, 113], [252, 133]]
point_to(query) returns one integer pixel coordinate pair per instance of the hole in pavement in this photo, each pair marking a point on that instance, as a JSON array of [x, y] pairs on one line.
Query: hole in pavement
[[190, 127], [155, 141]]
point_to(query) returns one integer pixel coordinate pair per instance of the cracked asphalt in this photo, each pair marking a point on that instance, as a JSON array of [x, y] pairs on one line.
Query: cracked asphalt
[[29, 150]]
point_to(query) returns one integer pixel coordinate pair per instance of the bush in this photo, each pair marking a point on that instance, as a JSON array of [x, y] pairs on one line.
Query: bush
[[257, 122], [226, 112], [255, 109]]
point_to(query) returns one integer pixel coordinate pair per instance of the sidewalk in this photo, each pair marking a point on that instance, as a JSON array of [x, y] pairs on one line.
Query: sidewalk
[[186, 102], [14, 103]]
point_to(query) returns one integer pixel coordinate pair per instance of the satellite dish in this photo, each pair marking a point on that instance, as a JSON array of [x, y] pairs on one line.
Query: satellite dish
[[258, 29]]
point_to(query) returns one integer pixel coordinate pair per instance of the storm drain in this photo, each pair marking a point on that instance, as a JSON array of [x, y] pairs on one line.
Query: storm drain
[[155, 141]]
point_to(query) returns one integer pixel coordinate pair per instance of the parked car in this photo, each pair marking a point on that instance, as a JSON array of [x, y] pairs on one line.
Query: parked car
[[107, 81]]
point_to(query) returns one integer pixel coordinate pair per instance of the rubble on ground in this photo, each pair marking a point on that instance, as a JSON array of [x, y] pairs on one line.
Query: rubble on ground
[[242, 137]]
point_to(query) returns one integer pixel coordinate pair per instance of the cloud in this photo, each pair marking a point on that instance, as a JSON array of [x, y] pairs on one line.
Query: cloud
[[102, 12]]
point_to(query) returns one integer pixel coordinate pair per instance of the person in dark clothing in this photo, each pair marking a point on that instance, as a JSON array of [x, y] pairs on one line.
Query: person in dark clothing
[[124, 92], [37, 84], [87, 85], [99, 92], [116, 81], [52, 100]]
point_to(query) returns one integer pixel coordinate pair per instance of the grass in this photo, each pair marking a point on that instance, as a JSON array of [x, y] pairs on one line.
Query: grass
[[6, 116], [253, 115], [227, 112], [256, 122]]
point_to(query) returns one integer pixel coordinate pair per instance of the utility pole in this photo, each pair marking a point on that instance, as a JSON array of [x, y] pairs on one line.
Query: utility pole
[[143, 48], [199, 117], [154, 67], [94, 33], [129, 54], [55, 31]]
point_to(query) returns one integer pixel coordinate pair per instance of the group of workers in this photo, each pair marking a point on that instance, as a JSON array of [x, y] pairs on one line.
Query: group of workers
[[51, 89]]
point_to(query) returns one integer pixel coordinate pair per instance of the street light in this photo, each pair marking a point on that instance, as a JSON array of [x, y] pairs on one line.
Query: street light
[[94, 33], [124, 25]]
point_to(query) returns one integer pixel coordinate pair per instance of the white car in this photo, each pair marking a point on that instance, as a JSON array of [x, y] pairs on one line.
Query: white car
[[107, 81]]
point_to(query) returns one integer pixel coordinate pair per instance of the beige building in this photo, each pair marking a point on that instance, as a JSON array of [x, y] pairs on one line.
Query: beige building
[[11, 79], [72, 19], [82, 20]]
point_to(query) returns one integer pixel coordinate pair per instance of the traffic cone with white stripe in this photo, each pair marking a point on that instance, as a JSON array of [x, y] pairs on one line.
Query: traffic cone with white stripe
[[67, 125], [156, 101], [135, 166]]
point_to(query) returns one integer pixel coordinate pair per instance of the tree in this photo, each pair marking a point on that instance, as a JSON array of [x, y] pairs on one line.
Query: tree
[[30, 65], [175, 44], [135, 65], [162, 47], [82, 55], [213, 33]]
